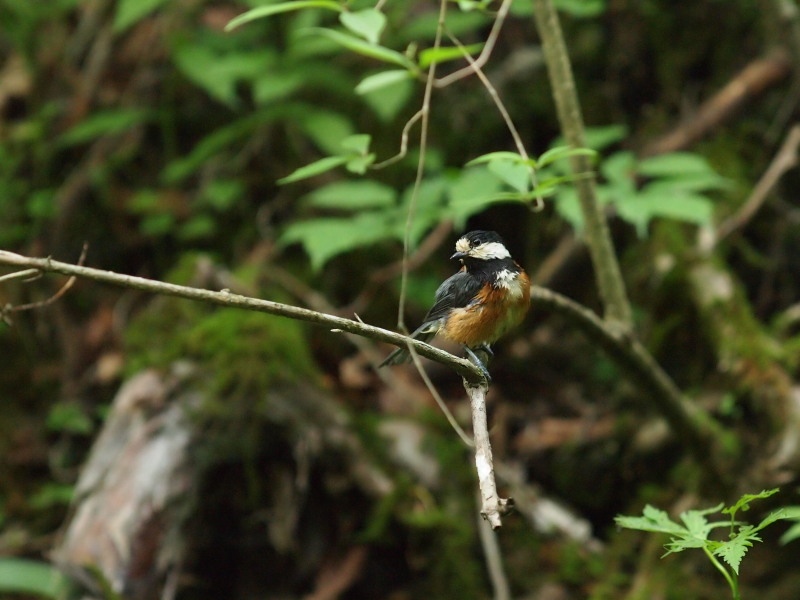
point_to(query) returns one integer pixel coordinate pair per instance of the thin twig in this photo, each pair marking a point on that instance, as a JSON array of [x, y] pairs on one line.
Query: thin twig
[[478, 63], [403, 143], [63, 290], [438, 398], [423, 148], [316, 301], [785, 159], [380, 276], [501, 108], [31, 274], [225, 298]]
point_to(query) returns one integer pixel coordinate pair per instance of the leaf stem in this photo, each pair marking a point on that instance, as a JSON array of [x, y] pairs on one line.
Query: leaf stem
[[729, 577]]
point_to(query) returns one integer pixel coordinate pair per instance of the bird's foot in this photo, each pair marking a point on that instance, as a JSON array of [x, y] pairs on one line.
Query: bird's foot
[[486, 348], [478, 362]]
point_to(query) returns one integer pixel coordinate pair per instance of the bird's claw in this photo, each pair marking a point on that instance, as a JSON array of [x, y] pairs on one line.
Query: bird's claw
[[478, 362]]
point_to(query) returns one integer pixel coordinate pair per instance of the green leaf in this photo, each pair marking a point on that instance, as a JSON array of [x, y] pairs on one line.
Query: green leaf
[[219, 74], [743, 503], [381, 80], [323, 239], [130, 12], [327, 129], [198, 227], [357, 143], [70, 418], [673, 164], [359, 164], [791, 534], [267, 11], [569, 208], [598, 138], [359, 46], [517, 175], [733, 550], [652, 519], [52, 495], [443, 54], [512, 157], [562, 152], [581, 9], [472, 191], [222, 194], [368, 23], [352, 195], [24, 576], [315, 168], [102, 123], [389, 99]]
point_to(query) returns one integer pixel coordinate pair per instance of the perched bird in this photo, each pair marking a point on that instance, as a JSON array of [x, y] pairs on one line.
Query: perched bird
[[489, 295]]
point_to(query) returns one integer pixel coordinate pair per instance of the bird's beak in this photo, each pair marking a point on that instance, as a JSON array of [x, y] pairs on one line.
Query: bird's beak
[[458, 255]]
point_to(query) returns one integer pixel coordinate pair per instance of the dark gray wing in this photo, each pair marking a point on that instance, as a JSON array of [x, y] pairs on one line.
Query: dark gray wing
[[455, 292]]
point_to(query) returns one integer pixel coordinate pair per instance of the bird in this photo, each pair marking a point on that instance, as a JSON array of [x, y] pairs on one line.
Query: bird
[[488, 296]]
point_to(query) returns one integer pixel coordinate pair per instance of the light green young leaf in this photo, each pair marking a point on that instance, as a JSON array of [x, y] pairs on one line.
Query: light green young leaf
[[260, 12], [352, 195], [219, 74], [22, 576], [791, 534], [471, 192], [733, 550], [598, 138], [327, 129], [368, 23], [743, 503], [517, 175], [652, 519], [359, 164], [674, 164], [324, 239], [359, 46], [381, 80], [512, 157], [315, 168], [358, 143], [130, 12], [562, 152], [390, 98], [446, 53]]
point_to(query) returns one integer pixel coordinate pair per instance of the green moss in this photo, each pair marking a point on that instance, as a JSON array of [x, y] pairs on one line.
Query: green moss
[[243, 351]]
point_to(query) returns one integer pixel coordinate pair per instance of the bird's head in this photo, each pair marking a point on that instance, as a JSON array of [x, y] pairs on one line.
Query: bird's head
[[480, 245]]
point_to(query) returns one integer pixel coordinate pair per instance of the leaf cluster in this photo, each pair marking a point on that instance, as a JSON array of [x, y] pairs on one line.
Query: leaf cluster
[[694, 530]]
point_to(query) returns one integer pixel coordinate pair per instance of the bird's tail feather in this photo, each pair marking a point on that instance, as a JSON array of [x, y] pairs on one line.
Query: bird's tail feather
[[402, 355]]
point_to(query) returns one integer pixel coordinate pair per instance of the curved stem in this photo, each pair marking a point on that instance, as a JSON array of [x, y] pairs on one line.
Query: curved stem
[[731, 579]]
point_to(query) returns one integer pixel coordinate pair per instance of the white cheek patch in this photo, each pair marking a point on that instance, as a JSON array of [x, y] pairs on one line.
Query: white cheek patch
[[462, 245], [489, 251], [509, 281]]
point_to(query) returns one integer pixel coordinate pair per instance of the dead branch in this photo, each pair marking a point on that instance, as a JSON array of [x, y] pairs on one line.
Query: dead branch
[[492, 506], [756, 77], [784, 160]]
